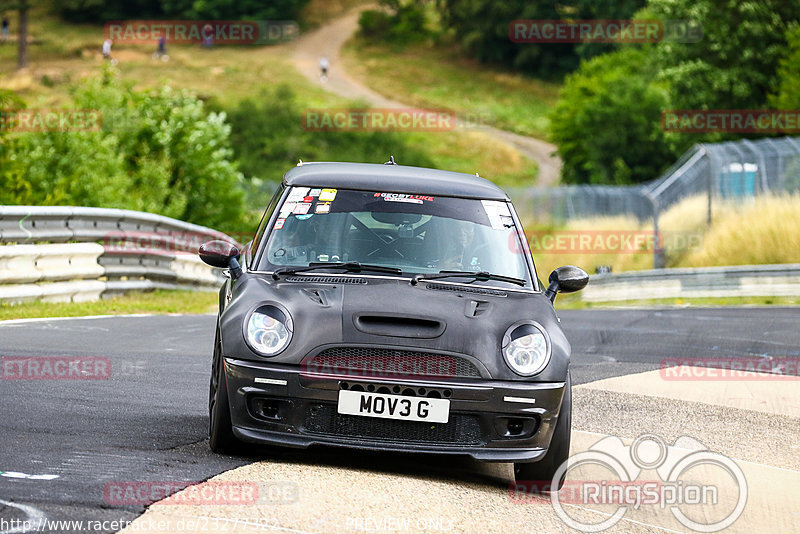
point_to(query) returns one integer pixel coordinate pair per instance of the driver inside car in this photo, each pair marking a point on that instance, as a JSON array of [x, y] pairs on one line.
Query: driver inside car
[[457, 250]]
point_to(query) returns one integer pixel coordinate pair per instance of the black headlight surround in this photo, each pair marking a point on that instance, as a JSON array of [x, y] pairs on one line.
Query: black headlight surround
[[518, 330], [277, 312]]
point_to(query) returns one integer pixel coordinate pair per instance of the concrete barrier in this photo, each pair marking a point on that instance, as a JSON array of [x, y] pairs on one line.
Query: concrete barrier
[[63, 253], [734, 281]]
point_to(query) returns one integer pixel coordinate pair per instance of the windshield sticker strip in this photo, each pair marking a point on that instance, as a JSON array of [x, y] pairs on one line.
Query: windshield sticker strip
[[402, 197], [279, 224]]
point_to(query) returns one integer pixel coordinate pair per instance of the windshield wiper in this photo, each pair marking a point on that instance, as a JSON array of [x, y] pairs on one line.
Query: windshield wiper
[[482, 276], [350, 266]]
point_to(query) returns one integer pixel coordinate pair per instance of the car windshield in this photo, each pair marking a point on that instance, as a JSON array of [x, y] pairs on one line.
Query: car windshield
[[419, 234]]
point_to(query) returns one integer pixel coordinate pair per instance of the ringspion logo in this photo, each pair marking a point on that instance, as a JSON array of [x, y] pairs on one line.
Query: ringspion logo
[[685, 482]]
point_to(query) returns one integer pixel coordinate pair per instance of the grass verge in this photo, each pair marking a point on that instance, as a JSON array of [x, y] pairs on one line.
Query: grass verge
[[155, 302], [62, 55], [441, 78], [757, 231]]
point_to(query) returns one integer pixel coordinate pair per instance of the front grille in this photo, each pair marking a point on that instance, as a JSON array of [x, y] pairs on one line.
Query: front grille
[[460, 430], [379, 362]]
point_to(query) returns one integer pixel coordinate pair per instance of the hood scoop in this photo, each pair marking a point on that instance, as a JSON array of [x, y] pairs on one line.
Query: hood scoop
[[396, 326]]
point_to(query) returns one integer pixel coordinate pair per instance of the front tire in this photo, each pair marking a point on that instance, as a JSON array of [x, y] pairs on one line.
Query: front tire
[[220, 430], [541, 472]]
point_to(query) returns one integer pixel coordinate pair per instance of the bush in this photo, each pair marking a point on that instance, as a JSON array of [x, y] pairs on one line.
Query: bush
[[607, 121], [102, 11], [398, 23], [268, 137], [787, 93], [735, 64], [158, 151], [481, 27]]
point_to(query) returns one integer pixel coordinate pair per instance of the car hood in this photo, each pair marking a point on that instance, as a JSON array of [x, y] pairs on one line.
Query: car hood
[[446, 318]]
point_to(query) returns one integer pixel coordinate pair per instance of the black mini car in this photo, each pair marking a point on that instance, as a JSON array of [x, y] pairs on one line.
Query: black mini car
[[396, 308]]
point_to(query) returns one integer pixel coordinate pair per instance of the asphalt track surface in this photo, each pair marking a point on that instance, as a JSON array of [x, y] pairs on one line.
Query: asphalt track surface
[[147, 422]]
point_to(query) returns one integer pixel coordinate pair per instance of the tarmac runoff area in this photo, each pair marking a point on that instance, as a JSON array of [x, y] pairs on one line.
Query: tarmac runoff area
[[751, 423]]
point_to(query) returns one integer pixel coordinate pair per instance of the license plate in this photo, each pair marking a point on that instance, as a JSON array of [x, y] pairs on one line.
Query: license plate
[[394, 406]]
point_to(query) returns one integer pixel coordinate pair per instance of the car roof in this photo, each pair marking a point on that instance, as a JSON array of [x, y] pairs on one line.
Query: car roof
[[392, 179]]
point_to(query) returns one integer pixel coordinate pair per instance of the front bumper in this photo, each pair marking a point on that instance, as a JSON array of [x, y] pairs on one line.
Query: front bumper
[[490, 420]]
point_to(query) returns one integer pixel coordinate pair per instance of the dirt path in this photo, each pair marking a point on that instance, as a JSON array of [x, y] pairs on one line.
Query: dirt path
[[328, 40]]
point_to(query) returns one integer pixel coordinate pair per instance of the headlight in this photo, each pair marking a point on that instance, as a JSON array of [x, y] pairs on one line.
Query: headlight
[[526, 349], [268, 330]]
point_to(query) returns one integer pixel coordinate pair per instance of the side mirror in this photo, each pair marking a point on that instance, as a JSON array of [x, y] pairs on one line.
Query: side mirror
[[221, 254], [566, 279]]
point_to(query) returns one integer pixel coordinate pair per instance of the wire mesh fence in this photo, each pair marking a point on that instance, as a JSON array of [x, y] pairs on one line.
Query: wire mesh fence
[[732, 171]]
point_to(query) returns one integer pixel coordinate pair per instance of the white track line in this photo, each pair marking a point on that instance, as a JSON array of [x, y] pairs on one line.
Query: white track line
[[12, 322], [35, 518]]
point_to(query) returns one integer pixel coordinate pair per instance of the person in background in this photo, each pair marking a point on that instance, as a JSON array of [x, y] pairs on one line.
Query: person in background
[[4, 30], [208, 36], [107, 49], [324, 65], [161, 51]]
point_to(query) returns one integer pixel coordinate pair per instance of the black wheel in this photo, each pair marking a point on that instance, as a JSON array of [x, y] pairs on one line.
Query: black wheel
[[542, 472], [220, 432]]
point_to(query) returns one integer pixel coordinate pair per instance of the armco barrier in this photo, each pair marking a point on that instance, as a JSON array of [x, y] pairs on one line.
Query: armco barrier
[[63, 253], [734, 281]]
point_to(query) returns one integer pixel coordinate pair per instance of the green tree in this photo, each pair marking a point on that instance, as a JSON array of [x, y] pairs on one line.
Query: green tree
[[606, 122], [11, 181], [481, 26], [735, 65], [101, 11], [158, 151], [268, 136], [399, 22], [787, 91], [175, 150]]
